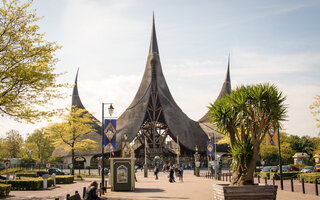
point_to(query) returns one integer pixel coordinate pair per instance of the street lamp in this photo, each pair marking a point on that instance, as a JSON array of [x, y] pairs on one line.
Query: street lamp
[[110, 109]]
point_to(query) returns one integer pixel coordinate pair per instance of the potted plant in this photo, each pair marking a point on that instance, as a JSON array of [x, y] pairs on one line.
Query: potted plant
[[246, 116]]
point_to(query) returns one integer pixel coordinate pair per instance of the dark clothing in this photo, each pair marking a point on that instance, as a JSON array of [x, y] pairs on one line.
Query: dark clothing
[[91, 194], [156, 171], [171, 177]]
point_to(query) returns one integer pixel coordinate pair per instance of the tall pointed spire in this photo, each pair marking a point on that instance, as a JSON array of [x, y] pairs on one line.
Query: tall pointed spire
[[226, 87], [153, 49], [75, 95]]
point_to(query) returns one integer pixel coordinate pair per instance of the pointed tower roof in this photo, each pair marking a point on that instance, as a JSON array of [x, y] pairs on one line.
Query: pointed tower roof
[[129, 123], [226, 89], [76, 101]]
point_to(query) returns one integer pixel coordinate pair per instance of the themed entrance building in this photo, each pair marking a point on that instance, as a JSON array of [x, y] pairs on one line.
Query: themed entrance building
[[155, 121]]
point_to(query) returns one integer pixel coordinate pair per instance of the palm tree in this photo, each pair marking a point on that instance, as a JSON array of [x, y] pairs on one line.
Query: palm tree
[[246, 115]]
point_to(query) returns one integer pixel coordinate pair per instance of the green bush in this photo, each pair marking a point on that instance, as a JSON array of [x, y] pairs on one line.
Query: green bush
[[64, 179], [285, 175], [28, 183], [11, 170], [309, 177], [264, 175], [4, 189], [26, 174], [294, 167]]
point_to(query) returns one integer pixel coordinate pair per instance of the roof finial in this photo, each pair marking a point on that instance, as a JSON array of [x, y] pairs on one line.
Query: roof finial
[[153, 42]]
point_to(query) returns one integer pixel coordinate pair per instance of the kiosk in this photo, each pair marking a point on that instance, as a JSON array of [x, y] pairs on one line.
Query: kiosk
[[122, 174]]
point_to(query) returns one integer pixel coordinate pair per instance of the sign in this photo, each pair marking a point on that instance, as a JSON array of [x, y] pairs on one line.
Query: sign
[[79, 159], [7, 163], [197, 164], [48, 165], [262, 162], [300, 162], [122, 174]]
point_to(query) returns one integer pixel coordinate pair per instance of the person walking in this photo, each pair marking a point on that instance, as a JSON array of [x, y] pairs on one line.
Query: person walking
[[180, 171], [171, 175], [156, 171], [92, 191]]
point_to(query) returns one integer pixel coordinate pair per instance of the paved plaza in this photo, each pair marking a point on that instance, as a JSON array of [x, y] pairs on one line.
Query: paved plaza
[[148, 188]]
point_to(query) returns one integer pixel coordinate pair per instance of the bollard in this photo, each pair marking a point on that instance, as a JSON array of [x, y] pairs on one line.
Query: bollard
[[89, 171], [68, 196], [258, 179], [56, 198], [76, 192], [265, 181], [273, 181], [84, 192], [292, 188], [223, 176], [230, 177], [316, 184], [303, 189]]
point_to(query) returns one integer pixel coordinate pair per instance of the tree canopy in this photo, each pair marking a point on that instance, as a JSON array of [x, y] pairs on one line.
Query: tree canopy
[[69, 134], [315, 110], [27, 77], [12, 145], [246, 115]]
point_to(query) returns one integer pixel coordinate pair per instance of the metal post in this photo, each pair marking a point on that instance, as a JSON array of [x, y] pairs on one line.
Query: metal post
[[303, 189], [265, 181], [178, 163], [145, 158], [84, 192], [280, 162], [292, 187], [258, 179], [102, 149], [215, 156], [316, 185]]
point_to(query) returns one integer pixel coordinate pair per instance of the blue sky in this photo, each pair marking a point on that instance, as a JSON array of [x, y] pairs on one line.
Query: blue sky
[[269, 41]]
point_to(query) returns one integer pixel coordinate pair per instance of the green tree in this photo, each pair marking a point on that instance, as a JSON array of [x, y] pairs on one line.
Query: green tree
[[69, 133], [303, 144], [246, 115], [12, 144], [315, 110], [27, 77], [40, 145]]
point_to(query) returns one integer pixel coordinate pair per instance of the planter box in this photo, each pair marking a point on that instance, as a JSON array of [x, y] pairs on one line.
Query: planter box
[[226, 192]]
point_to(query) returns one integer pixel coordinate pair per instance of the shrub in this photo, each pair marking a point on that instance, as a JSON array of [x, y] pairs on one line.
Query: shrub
[[285, 175], [4, 189], [64, 179], [26, 174], [293, 167], [11, 170], [309, 177], [28, 183], [264, 175]]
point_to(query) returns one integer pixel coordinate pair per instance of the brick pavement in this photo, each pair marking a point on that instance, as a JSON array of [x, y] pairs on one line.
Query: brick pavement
[[148, 188]]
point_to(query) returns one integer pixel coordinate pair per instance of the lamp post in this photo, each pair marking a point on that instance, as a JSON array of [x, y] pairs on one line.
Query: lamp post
[[110, 109], [280, 162], [196, 161]]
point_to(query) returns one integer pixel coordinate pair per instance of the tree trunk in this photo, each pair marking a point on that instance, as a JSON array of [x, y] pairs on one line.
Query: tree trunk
[[244, 173], [72, 161]]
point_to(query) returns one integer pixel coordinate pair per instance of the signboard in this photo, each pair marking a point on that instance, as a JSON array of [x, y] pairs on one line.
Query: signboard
[[48, 165], [197, 164], [79, 159], [7, 163], [122, 174]]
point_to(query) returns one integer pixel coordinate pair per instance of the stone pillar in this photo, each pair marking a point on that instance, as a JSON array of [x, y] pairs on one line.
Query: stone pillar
[[197, 163], [145, 167]]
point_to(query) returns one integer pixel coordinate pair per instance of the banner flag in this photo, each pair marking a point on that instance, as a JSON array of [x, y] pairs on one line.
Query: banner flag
[[125, 149], [210, 149], [110, 132]]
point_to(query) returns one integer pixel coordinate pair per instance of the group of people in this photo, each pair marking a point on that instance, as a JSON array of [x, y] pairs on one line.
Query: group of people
[[173, 171]]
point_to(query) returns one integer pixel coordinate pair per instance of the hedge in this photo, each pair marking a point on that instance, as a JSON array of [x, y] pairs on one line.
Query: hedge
[[11, 170], [276, 175], [28, 183], [4, 189], [26, 174], [64, 179], [309, 177]]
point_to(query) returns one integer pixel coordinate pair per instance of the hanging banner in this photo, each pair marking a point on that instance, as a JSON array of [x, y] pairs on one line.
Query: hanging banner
[[110, 128], [125, 149], [210, 149], [272, 137]]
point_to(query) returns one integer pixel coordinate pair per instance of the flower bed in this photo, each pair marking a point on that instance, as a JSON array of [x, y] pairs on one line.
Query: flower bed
[[4, 189]]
